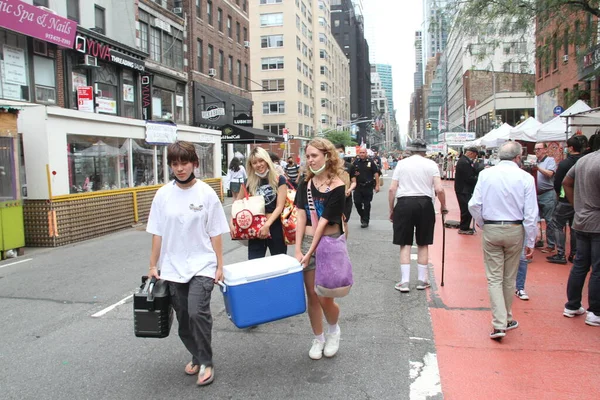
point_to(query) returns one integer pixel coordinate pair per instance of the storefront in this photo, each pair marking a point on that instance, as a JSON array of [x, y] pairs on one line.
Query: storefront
[[89, 174]]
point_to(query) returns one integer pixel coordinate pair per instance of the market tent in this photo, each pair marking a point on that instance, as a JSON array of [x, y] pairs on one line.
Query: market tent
[[497, 136], [124, 150], [473, 143], [587, 121], [244, 134], [526, 130], [100, 149], [556, 129]]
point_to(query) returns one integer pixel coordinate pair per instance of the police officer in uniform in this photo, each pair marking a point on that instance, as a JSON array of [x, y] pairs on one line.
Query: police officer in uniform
[[367, 174]]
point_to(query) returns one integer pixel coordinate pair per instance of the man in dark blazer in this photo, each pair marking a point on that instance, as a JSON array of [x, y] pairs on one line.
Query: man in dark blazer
[[464, 184]]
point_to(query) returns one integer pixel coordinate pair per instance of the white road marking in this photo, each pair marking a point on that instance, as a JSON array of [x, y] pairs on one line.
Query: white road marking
[[16, 262], [110, 308], [419, 338], [425, 378]]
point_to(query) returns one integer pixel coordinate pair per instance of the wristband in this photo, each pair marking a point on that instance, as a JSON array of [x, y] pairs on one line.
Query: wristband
[[151, 268]]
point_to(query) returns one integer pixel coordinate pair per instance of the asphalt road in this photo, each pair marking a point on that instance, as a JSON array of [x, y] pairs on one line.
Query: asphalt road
[[52, 348]]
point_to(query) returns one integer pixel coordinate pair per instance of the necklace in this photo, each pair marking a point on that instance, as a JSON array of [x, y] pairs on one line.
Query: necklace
[[320, 185]]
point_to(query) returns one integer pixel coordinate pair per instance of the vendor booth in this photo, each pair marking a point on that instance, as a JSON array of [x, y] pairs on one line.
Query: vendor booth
[[558, 129], [497, 136], [526, 131]]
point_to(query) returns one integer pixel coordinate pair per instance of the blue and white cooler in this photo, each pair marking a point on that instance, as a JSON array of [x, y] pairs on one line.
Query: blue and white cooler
[[263, 290]]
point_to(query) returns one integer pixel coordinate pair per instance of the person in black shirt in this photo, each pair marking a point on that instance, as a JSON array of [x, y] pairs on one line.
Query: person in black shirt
[[329, 195], [367, 174], [564, 211], [350, 182], [292, 171], [464, 185]]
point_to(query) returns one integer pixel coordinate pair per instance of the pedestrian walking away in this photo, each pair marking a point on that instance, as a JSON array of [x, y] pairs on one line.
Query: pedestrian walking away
[[464, 184], [367, 174], [292, 171], [564, 212], [582, 189], [504, 205], [236, 176], [263, 180], [350, 186], [186, 222], [414, 181], [328, 192], [546, 197]]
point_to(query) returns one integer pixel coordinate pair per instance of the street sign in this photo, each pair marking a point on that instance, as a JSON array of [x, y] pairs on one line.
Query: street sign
[[285, 132], [85, 98], [558, 110]]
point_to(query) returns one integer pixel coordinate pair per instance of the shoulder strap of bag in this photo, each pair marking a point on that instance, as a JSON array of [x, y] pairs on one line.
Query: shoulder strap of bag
[[245, 191], [314, 219]]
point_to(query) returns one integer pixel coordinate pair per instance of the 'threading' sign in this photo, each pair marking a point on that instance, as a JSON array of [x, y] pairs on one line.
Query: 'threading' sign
[[160, 132]]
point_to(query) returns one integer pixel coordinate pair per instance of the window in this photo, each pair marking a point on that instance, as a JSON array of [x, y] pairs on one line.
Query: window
[[297, 21], [274, 107], [73, 10], [45, 80], [220, 19], [245, 34], [300, 129], [230, 69], [274, 19], [211, 56], [165, 48], [239, 73], [299, 65], [299, 86], [144, 39], [273, 85], [304, 50], [99, 19], [229, 26], [298, 43], [276, 129], [221, 65], [268, 63], [566, 42], [305, 90], [270, 1], [238, 32], [155, 41], [271, 41], [209, 15], [43, 3], [199, 8], [299, 108], [306, 110], [200, 57], [247, 75], [244, 5]]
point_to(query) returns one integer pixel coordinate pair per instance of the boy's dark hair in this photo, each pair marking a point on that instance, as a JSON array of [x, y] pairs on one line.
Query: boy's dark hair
[[577, 142], [274, 157], [182, 152], [340, 146]]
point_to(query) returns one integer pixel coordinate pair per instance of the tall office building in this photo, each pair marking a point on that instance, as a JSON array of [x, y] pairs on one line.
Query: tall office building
[[348, 28], [301, 75], [418, 78], [387, 82], [435, 27]]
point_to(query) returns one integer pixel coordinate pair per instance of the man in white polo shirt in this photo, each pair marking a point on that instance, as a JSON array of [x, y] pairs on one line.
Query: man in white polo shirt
[[414, 183]]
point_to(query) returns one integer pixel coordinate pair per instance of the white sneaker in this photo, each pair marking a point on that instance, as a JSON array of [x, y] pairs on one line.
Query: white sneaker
[[402, 287], [522, 294], [332, 344], [590, 319], [316, 351], [571, 313]]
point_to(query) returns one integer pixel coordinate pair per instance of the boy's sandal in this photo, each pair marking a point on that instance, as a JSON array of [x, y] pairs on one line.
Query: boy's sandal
[[191, 368], [202, 373]]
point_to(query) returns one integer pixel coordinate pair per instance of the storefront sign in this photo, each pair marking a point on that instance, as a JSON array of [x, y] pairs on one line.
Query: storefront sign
[[243, 120], [36, 22], [14, 65], [107, 106], [591, 62], [456, 137], [146, 97], [160, 132], [104, 52], [128, 94], [213, 113], [178, 101], [85, 99]]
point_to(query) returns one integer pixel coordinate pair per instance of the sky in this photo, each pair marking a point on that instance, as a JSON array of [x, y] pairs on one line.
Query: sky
[[390, 31]]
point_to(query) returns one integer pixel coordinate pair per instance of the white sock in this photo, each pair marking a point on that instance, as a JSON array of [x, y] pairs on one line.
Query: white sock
[[422, 272], [405, 273], [333, 329], [320, 338]]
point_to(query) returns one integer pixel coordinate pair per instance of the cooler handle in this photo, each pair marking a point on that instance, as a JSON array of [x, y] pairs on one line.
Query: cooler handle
[[266, 275], [223, 286]]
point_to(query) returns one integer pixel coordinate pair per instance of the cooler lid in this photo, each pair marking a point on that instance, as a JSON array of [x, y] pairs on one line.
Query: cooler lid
[[259, 269]]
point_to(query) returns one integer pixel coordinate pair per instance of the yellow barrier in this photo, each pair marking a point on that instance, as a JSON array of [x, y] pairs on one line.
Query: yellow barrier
[[102, 193]]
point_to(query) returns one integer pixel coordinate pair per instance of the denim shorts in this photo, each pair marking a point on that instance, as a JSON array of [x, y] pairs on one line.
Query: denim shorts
[[305, 246]]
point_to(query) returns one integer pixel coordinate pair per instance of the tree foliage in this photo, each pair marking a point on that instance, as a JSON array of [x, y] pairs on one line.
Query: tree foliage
[[342, 137]]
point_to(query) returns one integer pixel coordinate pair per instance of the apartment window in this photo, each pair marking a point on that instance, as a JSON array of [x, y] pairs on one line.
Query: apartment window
[[209, 15], [165, 48], [299, 65], [566, 42], [555, 47], [270, 1], [211, 56], [247, 75], [304, 50], [238, 32], [305, 90], [245, 34], [144, 39], [220, 19], [73, 10], [298, 43], [336, 23], [299, 86], [199, 8], [299, 108], [155, 41], [268, 63], [43, 3], [200, 58], [274, 107], [297, 21], [300, 129], [306, 110], [229, 26], [239, 73], [221, 65], [271, 41], [276, 129], [244, 5], [230, 69], [539, 61], [273, 85], [45, 80], [99, 19], [273, 19]]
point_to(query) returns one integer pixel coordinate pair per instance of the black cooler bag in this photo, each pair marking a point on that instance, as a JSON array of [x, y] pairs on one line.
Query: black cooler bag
[[152, 310]]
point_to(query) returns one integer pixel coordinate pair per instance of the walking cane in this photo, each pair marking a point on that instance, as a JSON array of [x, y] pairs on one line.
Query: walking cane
[[443, 244]]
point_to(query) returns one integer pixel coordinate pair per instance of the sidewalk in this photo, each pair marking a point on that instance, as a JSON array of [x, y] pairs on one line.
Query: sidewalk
[[548, 356]]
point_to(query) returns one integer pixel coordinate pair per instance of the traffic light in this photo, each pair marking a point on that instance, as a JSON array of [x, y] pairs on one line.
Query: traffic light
[[428, 126], [491, 115]]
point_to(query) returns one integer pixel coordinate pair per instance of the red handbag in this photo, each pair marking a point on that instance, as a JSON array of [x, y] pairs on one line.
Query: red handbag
[[248, 216]]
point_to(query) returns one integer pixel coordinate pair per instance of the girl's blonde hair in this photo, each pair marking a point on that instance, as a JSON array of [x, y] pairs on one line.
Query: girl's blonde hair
[[253, 179], [333, 163]]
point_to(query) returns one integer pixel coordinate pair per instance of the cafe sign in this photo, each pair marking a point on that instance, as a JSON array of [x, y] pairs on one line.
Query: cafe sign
[[213, 113], [37, 22]]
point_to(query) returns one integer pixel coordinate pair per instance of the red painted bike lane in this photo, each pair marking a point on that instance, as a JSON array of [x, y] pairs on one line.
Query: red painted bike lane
[[548, 356]]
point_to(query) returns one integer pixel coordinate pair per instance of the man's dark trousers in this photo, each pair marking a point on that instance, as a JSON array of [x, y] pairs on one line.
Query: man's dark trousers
[[465, 215], [363, 195]]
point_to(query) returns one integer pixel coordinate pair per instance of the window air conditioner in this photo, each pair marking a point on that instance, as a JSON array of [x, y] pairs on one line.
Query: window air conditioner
[[565, 58], [88, 61], [212, 72], [247, 44], [178, 10]]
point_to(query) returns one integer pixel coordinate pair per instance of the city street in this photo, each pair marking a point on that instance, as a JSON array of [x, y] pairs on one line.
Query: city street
[[67, 330]]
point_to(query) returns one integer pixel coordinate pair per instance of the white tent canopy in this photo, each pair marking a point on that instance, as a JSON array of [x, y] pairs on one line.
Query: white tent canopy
[[526, 130], [497, 136], [587, 121], [556, 129]]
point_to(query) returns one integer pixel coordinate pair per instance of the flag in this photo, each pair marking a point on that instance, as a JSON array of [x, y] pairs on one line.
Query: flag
[[362, 143]]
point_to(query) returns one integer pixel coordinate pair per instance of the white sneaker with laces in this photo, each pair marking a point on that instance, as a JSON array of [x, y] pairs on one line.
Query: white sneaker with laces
[[590, 319], [402, 287], [522, 295], [316, 351], [572, 313], [332, 343]]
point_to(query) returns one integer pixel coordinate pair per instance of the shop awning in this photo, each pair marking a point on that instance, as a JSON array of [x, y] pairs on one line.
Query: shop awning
[[247, 135]]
